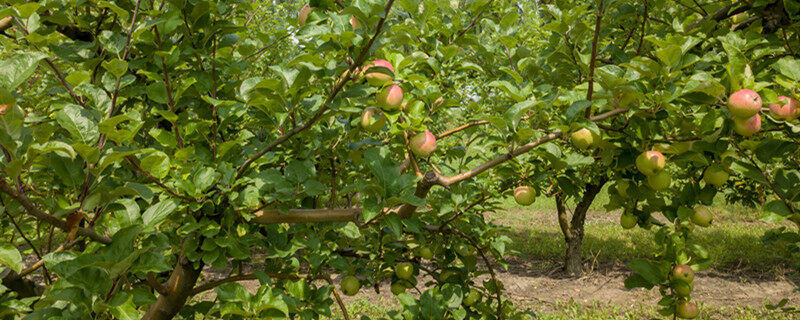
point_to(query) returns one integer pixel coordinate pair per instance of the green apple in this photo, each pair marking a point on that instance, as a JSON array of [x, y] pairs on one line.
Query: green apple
[[472, 297], [682, 288], [715, 176], [524, 195], [404, 270], [650, 162], [390, 98], [683, 272], [425, 253], [659, 181], [584, 139], [744, 103], [628, 221], [350, 285], [398, 287], [702, 216], [372, 119], [686, 309]]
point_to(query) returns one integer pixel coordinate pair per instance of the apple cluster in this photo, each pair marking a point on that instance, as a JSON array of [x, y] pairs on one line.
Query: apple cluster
[[745, 107]]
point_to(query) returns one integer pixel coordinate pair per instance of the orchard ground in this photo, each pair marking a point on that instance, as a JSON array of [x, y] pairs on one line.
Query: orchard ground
[[745, 275]]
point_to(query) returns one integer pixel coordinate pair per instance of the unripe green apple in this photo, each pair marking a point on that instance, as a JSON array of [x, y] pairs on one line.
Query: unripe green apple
[[659, 181], [524, 195], [747, 127], [682, 289], [625, 97], [350, 285], [423, 144], [584, 139], [372, 119], [715, 176], [683, 272], [472, 297], [425, 253], [404, 270], [788, 109], [702, 216], [686, 309], [463, 250], [650, 162], [377, 78], [744, 103], [398, 287], [622, 188], [628, 221], [390, 98], [304, 14]]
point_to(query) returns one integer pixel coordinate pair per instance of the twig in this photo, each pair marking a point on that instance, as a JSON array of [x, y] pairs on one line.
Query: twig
[[590, 91], [767, 179], [644, 28]]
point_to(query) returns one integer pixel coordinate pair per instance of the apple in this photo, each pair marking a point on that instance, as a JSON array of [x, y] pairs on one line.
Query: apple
[[524, 195], [350, 285], [681, 288], [625, 97], [584, 139], [372, 119], [354, 22], [5, 107], [463, 250], [622, 188], [438, 101], [628, 221], [702, 216], [747, 127], [659, 181], [423, 144], [683, 272], [6, 101], [472, 297], [425, 253], [390, 98], [398, 287], [404, 270], [686, 309], [377, 78], [715, 176], [304, 12], [650, 162], [789, 111], [744, 103]]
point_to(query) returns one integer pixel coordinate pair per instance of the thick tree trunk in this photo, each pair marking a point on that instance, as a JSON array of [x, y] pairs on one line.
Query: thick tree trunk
[[573, 228], [179, 288]]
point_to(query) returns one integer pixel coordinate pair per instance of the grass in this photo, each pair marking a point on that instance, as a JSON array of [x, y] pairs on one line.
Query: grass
[[733, 240]]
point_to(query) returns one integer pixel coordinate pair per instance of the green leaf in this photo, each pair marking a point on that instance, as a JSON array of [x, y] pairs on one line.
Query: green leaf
[[10, 256], [117, 67], [19, 68], [788, 67], [157, 213], [78, 122], [514, 114], [157, 164], [648, 270]]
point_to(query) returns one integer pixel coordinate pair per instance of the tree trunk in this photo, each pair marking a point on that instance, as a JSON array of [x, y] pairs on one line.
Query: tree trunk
[[179, 286], [573, 228]]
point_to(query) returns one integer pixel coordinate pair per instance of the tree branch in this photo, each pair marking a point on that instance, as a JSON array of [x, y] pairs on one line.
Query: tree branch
[[590, 91]]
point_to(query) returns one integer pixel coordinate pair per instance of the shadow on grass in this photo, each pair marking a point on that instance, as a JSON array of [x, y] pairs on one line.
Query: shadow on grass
[[736, 250]]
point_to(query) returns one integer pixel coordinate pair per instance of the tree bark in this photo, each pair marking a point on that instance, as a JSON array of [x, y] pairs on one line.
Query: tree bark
[[179, 288], [573, 228]]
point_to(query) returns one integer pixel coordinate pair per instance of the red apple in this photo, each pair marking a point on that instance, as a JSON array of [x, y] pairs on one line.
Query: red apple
[[390, 98], [423, 144], [524, 195], [744, 103], [304, 14], [747, 127], [787, 111], [354, 23], [650, 162], [683, 272], [372, 119], [377, 78], [686, 309]]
